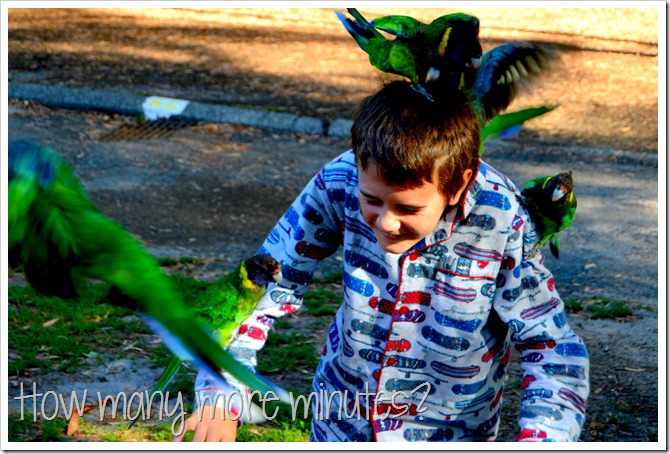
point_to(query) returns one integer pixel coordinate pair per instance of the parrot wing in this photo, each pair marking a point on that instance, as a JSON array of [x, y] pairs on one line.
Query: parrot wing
[[501, 124], [505, 71]]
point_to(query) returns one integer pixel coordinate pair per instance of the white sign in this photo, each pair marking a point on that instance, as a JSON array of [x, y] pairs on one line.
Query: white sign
[[156, 107]]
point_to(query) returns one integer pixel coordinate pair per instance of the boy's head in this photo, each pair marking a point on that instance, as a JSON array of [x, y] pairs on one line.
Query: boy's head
[[415, 159], [413, 140]]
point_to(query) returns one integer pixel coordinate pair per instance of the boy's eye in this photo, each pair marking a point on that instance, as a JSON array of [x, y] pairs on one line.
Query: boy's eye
[[408, 209]]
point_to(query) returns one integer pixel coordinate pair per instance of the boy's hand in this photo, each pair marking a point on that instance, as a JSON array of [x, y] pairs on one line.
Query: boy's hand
[[209, 428]]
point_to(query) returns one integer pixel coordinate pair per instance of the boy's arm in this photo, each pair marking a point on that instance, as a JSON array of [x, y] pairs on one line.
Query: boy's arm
[[555, 363], [307, 233]]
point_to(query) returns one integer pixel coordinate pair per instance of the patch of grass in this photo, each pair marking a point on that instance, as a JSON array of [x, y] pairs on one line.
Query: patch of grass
[[605, 308], [572, 305], [52, 333], [40, 430], [276, 109], [321, 302], [287, 351], [283, 427], [49, 333], [334, 277], [609, 309]]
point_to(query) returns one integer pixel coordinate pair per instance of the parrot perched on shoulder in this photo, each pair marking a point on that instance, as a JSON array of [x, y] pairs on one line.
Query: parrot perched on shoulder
[[551, 204], [60, 239], [227, 303]]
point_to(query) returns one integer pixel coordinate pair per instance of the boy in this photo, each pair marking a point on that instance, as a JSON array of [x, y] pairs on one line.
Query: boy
[[437, 280]]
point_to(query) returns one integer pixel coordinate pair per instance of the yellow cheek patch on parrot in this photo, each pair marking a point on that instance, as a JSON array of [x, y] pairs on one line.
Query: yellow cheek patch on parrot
[[246, 282], [443, 44]]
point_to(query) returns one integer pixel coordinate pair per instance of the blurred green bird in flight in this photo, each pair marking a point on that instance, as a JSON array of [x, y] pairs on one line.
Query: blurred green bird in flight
[[60, 239]]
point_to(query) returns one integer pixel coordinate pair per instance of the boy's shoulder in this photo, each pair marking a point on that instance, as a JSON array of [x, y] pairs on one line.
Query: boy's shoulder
[[491, 178], [340, 171], [344, 161], [492, 194]]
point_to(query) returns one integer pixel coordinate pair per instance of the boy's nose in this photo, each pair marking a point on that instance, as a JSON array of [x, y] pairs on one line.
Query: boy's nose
[[388, 222]]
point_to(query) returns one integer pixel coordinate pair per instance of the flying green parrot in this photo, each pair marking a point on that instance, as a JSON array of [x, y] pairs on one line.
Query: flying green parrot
[[552, 204], [227, 303], [61, 239]]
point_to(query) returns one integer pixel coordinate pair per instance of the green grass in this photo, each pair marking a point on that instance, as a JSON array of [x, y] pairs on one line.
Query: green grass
[[41, 430], [609, 309], [321, 302], [54, 334], [605, 308]]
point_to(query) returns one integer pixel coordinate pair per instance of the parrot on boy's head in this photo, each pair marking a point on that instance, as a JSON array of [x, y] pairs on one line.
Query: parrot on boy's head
[[446, 55]]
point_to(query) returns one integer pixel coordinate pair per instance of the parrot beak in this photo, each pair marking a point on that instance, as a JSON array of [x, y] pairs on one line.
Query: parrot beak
[[558, 193], [277, 277], [475, 62]]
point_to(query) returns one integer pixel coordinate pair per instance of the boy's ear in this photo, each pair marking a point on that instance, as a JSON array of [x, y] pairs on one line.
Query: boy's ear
[[453, 200]]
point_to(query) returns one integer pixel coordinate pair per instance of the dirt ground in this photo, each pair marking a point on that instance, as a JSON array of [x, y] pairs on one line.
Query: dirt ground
[[606, 86]]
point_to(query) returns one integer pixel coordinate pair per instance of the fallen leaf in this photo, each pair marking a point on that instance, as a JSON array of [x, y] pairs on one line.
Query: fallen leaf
[[50, 322], [116, 366], [632, 369], [73, 423]]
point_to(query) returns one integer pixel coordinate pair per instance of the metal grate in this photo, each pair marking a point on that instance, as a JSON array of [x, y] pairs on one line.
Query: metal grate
[[153, 129]]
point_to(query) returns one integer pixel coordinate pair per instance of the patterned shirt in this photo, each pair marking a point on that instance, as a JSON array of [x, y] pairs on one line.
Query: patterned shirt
[[419, 349]]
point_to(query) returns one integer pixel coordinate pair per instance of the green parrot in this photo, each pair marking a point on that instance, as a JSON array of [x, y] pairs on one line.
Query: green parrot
[[418, 47], [227, 303], [390, 56], [446, 55], [443, 50], [61, 239], [552, 204]]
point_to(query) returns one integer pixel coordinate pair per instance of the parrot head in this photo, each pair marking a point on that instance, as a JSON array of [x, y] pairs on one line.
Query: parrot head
[[262, 270], [459, 49], [561, 186]]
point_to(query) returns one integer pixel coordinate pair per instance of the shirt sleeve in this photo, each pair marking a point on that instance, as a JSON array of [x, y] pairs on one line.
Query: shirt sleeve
[[308, 232], [554, 359]]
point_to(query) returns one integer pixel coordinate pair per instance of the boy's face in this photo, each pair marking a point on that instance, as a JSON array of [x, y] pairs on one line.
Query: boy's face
[[401, 217]]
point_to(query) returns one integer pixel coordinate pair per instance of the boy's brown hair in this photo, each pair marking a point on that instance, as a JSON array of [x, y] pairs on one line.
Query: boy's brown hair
[[412, 139]]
